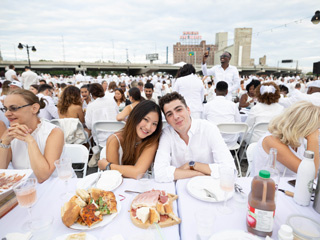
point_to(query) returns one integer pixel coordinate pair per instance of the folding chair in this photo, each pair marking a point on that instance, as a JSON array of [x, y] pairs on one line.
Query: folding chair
[[261, 127], [77, 136], [250, 150], [235, 128], [78, 154], [103, 129]]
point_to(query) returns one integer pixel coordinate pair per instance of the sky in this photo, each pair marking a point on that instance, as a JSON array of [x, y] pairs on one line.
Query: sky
[[104, 30]]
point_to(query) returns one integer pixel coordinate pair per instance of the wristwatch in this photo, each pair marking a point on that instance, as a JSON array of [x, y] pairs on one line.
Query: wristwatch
[[191, 165], [2, 145], [108, 166]]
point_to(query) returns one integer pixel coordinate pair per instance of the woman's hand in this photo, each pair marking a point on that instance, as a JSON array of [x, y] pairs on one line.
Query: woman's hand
[[21, 132], [103, 163]]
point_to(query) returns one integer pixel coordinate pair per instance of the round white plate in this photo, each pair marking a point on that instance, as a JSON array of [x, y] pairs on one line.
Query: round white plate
[[88, 237], [106, 220], [196, 185], [109, 180], [236, 234]]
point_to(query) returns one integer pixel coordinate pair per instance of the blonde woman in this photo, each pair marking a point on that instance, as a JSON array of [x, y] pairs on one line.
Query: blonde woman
[[286, 133]]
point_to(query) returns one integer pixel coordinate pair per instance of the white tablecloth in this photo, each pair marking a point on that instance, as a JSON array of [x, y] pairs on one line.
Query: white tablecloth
[[188, 206], [49, 203]]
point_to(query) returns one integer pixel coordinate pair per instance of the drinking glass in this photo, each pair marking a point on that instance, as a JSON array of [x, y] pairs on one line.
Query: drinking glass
[[227, 179], [65, 171], [145, 182], [27, 196]]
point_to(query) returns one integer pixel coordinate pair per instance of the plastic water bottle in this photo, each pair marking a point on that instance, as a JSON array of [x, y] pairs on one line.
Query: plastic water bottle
[[305, 177], [271, 167]]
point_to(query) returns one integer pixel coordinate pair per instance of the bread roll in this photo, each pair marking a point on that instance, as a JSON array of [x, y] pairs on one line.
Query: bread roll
[[70, 212]]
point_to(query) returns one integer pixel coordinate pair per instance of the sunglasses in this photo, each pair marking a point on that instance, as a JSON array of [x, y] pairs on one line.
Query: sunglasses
[[224, 56], [13, 108]]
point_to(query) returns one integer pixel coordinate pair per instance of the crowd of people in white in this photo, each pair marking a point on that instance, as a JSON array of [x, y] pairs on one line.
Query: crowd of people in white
[[191, 104]]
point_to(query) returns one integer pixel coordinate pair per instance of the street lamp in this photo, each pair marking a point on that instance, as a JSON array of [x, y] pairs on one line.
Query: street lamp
[[33, 49], [316, 18]]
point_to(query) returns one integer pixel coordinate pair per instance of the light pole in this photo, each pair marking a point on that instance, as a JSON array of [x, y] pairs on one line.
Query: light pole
[[20, 46]]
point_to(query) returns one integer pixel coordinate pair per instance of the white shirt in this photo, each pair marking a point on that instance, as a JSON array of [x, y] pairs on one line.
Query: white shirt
[[154, 97], [9, 74], [230, 76], [296, 96], [205, 145], [158, 88], [28, 78], [50, 111], [262, 113], [211, 94], [192, 89], [221, 110]]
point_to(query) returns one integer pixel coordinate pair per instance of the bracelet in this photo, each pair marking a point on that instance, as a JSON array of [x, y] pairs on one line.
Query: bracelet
[[108, 166], [2, 145]]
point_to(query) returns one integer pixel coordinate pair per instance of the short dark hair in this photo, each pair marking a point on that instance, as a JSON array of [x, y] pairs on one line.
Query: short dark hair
[[169, 97], [222, 87], [135, 94], [254, 83], [228, 53], [44, 87], [140, 84], [210, 83], [27, 67], [85, 86], [11, 66], [148, 85], [96, 90], [42, 80], [187, 69]]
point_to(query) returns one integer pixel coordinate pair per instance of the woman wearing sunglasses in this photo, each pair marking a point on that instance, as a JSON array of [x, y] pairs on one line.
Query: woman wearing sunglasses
[[30, 142]]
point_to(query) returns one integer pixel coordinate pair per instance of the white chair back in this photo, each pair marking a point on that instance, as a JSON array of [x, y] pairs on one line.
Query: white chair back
[[78, 154], [250, 150], [103, 129]]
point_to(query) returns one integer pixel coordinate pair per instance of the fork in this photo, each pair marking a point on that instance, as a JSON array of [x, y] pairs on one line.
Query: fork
[[210, 194]]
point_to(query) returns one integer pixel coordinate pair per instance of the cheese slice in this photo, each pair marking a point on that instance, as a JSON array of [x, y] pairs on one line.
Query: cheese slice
[[143, 214]]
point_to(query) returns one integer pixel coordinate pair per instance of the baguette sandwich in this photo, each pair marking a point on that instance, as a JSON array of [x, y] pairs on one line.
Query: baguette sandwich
[[153, 207]]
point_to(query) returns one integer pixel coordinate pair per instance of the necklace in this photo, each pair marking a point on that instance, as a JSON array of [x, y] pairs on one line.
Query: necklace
[[137, 143]]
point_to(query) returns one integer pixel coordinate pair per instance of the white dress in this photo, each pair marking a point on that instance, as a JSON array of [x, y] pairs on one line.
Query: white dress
[[20, 156], [260, 159]]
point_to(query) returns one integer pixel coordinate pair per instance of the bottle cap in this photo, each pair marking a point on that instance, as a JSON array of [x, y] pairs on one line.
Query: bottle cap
[[264, 174], [285, 232], [308, 154]]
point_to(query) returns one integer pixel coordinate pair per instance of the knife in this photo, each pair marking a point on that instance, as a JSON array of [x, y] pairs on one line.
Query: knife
[[288, 193], [94, 183]]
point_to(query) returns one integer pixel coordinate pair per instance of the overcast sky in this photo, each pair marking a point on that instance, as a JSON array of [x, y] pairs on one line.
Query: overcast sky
[[102, 30]]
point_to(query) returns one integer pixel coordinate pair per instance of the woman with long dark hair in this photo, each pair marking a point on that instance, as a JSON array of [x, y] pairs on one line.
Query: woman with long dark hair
[[131, 151]]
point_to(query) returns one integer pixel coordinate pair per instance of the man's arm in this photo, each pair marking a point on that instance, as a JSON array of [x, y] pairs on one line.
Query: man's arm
[[52, 109], [235, 81]]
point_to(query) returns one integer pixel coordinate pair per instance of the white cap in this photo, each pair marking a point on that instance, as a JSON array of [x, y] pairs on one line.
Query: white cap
[[285, 233], [315, 84], [16, 83]]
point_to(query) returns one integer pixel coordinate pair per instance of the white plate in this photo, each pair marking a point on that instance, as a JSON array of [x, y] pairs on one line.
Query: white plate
[[9, 172], [88, 237], [236, 234], [106, 220], [195, 188], [109, 180]]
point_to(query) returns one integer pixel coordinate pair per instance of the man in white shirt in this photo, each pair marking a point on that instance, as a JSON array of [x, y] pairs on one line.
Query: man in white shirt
[[149, 94], [210, 92], [221, 110], [28, 78], [188, 147], [85, 96], [223, 72], [50, 111], [11, 74]]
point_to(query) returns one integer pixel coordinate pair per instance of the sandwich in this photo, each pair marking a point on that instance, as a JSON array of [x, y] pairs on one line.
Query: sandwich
[[153, 207]]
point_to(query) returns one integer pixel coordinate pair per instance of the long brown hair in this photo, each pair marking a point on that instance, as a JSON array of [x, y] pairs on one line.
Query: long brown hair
[[70, 95], [130, 156]]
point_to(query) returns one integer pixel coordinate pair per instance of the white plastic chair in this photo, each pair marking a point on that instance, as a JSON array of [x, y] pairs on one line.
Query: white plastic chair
[[235, 128], [258, 127], [105, 128], [78, 154], [250, 150], [62, 123]]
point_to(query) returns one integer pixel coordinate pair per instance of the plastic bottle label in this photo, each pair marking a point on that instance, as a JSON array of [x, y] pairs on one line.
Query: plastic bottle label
[[260, 220]]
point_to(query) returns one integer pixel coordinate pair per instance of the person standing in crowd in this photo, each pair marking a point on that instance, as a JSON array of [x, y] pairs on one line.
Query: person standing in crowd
[[85, 96], [221, 110], [104, 85], [30, 142], [50, 111], [135, 98], [223, 72], [287, 133], [188, 147], [28, 78], [149, 94], [11, 74], [131, 151], [210, 92], [248, 99], [191, 88]]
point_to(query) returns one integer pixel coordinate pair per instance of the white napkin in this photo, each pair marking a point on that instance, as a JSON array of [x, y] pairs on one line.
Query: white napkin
[[109, 180], [19, 236]]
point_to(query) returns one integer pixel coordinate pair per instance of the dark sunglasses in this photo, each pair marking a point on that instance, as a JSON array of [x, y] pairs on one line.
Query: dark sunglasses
[[224, 56], [13, 108]]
